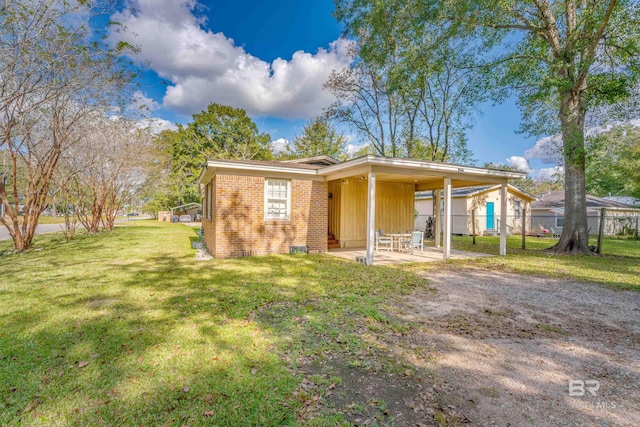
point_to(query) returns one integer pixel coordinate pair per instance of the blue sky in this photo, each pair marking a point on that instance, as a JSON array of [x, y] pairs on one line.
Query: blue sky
[[270, 58]]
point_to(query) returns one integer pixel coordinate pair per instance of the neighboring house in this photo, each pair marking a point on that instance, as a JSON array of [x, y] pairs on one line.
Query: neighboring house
[[548, 211], [269, 207], [625, 200], [485, 201]]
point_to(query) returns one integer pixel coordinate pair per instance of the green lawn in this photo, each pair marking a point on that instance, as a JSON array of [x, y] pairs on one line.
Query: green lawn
[[619, 268], [126, 328], [491, 244]]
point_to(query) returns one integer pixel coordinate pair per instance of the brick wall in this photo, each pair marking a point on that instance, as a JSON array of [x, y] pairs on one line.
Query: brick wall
[[240, 227]]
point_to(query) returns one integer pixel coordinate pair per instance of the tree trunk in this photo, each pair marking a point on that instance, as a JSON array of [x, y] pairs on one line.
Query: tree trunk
[[574, 239]]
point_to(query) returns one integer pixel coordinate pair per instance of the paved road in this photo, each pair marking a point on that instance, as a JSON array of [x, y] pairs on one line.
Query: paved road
[[52, 228], [40, 229]]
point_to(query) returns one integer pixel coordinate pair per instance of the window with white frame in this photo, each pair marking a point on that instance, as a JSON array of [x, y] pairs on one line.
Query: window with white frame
[[277, 199], [559, 221], [517, 209]]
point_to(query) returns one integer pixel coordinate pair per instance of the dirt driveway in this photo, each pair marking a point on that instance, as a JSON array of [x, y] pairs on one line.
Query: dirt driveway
[[503, 349]]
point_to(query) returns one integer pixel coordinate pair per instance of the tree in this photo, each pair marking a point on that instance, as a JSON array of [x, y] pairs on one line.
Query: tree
[[367, 102], [319, 138], [409, 93], [219, 132], [562, 58], [54, 72], [102, 172], [613, 162]]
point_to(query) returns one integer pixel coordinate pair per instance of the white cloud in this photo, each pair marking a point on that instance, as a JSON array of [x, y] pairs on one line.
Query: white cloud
[[521, 163], [157, 125], [279, 145], [142, 104], [547, 149], [546, 174], [352, 149], [207, 67]]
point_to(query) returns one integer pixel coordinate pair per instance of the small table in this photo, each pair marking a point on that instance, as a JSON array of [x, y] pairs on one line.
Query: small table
[[396, 238]]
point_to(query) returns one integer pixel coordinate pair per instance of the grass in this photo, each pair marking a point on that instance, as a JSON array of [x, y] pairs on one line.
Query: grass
[[491, 244], [615, 271], [127, 328]]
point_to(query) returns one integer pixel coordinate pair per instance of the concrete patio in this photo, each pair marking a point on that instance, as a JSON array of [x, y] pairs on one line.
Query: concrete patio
[[384, 257]]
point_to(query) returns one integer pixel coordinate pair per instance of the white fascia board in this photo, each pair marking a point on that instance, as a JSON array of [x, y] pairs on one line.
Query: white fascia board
[[423, 166], [212, 165], [206, 175]]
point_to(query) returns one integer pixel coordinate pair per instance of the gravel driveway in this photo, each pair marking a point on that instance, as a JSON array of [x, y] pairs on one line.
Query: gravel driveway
[[504, 348]]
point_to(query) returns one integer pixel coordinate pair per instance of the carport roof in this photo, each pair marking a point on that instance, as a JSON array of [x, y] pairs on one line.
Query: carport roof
[[425, 175]]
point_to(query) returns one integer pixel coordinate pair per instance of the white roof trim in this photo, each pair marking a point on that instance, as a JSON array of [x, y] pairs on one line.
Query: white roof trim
[[421, 165], [369, 160], [258, 167]]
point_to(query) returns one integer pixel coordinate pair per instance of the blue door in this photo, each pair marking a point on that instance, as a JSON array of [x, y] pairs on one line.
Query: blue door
[[490, 215]]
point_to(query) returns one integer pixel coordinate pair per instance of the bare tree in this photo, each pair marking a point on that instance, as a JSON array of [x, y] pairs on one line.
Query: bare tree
[[368, 102], [101, 173], [53, 73]]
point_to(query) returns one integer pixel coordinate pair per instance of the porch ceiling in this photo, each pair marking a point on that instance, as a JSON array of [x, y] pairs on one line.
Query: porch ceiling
[[424, 183]]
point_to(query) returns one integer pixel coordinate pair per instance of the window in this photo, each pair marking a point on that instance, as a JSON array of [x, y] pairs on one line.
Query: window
[[517, 212], [277, 199], [559, 221], [209, 201]]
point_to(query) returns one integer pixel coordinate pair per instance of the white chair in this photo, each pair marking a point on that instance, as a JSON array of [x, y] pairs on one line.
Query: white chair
[[416, 241], [385, 242]]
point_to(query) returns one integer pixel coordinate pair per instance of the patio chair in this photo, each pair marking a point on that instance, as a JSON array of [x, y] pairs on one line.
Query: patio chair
[[416, 241], [556, 232], [385, 242]]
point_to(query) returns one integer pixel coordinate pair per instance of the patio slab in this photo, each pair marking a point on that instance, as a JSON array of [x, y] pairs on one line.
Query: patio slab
[[382, 257]]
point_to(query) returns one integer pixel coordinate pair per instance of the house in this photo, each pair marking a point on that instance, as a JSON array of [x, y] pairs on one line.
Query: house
[[269, 207], [625, 200], [548, 211], [485, 201]]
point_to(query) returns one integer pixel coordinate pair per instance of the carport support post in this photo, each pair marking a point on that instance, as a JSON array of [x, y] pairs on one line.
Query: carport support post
[[437, 216], [446, 252], [524, 227], [371, 215], [503, 219]]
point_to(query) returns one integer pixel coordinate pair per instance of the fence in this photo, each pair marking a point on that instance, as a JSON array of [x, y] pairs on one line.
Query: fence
[[618, 234]]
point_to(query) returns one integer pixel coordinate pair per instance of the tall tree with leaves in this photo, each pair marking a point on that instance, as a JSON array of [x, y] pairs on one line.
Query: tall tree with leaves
[[219, 132], [561, 57], [319, 138], [613, 163]]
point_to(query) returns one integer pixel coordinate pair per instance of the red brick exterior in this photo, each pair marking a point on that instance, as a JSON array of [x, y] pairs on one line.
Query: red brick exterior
[[238, 226]]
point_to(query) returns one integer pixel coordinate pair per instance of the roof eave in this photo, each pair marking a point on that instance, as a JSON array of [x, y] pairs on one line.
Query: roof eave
[[371, 160]]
